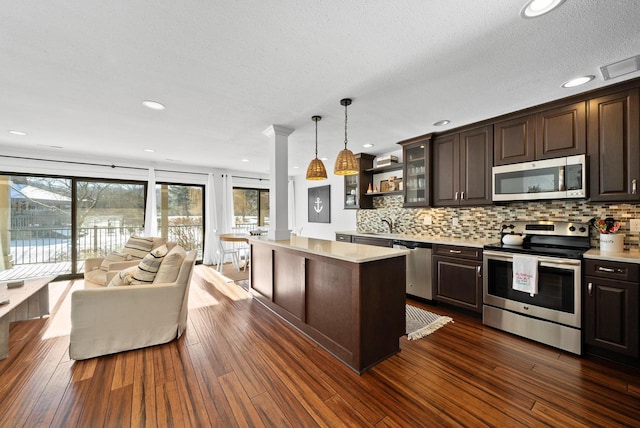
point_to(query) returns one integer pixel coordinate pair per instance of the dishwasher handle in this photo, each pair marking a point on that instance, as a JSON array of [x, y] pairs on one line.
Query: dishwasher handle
[[411, 245]]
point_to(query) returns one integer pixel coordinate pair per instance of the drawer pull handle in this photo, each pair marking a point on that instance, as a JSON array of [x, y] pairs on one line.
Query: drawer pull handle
[[590, 289], [455, 251], [604, 269], [479, 271]]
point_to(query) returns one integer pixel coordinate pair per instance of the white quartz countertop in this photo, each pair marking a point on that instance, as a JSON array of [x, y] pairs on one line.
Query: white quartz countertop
[[628, 256], [354, 253], [465, 242]]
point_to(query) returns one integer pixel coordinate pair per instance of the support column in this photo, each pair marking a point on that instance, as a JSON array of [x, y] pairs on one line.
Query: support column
[[5, 222], [278, 181]]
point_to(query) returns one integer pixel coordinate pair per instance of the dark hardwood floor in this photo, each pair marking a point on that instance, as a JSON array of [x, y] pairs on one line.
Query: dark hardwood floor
[[239, 365]]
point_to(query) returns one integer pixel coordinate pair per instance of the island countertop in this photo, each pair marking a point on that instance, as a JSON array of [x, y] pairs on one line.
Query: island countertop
[[427, 239], [354, 253]]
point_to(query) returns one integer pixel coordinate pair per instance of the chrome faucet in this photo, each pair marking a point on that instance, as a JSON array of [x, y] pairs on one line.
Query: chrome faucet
[[389, 223]]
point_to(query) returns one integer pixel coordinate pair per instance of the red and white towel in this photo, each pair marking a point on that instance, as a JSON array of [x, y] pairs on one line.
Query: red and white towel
[[525, 274]]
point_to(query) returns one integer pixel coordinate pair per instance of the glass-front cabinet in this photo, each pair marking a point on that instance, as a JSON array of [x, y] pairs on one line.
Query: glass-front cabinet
[[417, 187], [355, 186]]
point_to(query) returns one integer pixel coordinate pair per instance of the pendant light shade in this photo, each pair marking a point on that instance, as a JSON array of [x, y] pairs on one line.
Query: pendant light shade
[[316, 170], [346, 163]]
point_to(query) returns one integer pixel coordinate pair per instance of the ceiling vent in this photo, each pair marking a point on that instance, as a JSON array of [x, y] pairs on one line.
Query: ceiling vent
[[620, 68]]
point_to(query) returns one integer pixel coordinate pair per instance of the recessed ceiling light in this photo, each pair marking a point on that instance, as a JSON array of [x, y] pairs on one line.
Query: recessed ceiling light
[[577, 81], [244, 160], [367, 146], [153, 105], [149, 150], [14, 132], [324, 159], [535, 8], [442, 122], [296, 167]]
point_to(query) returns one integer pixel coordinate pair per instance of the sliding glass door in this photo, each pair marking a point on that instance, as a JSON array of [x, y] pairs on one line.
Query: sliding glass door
[[35, 223], [107, 214], [50, 225]]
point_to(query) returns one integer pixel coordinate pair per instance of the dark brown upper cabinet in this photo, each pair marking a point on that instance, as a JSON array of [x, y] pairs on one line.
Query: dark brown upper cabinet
[[561, 131], [614, 147], [462, 168], [548, 134], [416, 155], [514, 140]]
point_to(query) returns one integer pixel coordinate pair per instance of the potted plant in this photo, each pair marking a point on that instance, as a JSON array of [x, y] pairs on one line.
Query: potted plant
[[610, 240]]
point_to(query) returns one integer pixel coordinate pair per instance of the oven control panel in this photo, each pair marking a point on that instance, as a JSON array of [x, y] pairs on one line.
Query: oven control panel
[[552, 228]]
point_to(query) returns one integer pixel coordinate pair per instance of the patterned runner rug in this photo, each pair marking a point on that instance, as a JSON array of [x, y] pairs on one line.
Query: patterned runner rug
[[421, 323]]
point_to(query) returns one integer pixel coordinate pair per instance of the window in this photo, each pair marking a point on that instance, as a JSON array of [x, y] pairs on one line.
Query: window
[[250, 208], [181, 215], [107, 214]]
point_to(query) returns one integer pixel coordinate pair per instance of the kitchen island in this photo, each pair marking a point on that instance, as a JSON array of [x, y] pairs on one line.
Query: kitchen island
[[348, 298]]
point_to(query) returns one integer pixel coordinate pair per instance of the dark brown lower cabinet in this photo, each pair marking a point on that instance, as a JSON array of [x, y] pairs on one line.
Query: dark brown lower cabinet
[[611, 308], [457, 276]]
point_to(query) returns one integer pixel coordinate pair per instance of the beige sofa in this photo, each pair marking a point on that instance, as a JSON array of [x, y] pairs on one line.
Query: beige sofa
[[107, 320], [95, 277]]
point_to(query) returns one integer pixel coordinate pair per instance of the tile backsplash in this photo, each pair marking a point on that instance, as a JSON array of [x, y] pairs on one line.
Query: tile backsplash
[[484, 222]]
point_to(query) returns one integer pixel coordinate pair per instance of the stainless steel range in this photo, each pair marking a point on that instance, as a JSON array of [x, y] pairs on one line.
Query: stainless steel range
[[552, 315]]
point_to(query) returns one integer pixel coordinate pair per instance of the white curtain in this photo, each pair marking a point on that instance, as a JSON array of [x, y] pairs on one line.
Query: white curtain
[[5, 221], [210, 223], [151, 213], [227, 204], [292, 205]]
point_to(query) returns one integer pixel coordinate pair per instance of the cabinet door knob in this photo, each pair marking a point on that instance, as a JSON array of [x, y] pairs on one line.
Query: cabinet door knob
[[590, 288]]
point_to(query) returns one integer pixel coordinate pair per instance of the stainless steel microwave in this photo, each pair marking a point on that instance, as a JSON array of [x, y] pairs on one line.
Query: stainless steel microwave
[[559, 178]]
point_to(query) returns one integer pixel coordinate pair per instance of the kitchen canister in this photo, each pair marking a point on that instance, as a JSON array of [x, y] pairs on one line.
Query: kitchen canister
[[612, 242]]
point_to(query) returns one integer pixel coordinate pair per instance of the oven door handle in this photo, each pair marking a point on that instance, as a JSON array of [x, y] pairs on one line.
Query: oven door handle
[[560, 265], [542, 261]]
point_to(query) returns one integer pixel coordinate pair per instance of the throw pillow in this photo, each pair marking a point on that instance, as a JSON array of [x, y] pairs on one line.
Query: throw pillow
[[138, 246], [170, 266], [112, 258], [124, 277], [149, 265]]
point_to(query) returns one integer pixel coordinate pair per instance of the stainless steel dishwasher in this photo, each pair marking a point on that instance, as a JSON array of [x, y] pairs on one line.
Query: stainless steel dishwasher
[[418, 268]]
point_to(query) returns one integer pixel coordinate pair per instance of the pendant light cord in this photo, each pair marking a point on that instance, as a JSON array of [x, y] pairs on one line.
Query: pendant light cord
[[316, 120], [345, 126]]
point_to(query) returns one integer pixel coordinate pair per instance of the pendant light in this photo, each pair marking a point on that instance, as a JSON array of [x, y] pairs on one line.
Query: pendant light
[[316, 170], [346, 163]]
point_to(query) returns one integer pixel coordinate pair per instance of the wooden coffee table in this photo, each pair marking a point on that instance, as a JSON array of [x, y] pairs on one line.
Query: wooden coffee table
[[30, 300]]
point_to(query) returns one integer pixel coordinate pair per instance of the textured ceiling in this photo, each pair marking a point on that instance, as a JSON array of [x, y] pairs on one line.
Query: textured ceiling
[[73, 73]]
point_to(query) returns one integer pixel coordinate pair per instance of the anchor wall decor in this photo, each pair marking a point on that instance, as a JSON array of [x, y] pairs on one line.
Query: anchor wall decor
[[319, 204]]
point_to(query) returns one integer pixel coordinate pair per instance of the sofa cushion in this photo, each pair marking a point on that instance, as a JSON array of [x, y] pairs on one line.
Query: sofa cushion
[[148, 267], [97, 276], [112, 258], [170, 266], [124, 277], [138, 246]]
